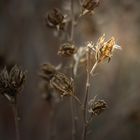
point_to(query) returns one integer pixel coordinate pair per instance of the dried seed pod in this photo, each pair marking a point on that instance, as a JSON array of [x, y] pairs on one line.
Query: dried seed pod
[[55, 18], [97, 107], [67, 49], [47, 73], [89, 6], [103, 49], [61, 83], [11, 83]]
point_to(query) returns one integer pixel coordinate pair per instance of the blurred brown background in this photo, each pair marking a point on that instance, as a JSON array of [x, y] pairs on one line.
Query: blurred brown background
[[25, 39]]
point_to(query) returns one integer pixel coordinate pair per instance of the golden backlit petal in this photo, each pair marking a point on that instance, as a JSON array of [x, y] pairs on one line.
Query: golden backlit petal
[[101, 39], [117, 47]]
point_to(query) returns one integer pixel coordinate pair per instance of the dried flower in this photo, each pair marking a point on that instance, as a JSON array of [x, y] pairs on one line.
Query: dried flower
[[55, 18], [57, 80], [47, 73], [11, 82], [67, 49], [96, 107], [89, 6], [102, 49], [62, 84]]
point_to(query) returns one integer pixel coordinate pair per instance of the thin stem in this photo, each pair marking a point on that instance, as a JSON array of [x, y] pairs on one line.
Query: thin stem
[[16, 117], [93, 68], [85, 121], [73, 96], [72, 21], [76, 98], [51, 125], [73, 119], [80, 2], [86, 98]]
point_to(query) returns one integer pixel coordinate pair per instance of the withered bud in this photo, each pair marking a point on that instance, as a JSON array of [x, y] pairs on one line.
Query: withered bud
[[11, 82], [97, 107], [55, 18], [89, 6], [67, 49], [47, 71], [62, 84]]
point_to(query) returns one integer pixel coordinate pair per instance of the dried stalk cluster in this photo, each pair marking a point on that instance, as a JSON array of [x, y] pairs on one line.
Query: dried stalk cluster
[[92, 53]]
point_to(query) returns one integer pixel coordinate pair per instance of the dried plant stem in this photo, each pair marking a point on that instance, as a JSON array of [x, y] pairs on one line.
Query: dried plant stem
[[85, 121], [72, 21], [73, 96], [86, 98], [76, 98], [51, 125], [93, 68], [73, 119], [16, 117], [80, 2]]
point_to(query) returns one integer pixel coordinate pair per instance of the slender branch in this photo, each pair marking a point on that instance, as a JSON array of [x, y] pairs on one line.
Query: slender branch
[[85, 121], [86, 98], [72, 21], [76, 98], [51, 125], [80, 2], [93, 68], [73, 96], [16, 117], [73, 119]]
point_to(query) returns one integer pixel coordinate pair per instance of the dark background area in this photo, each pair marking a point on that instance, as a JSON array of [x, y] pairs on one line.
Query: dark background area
[[26, 40]]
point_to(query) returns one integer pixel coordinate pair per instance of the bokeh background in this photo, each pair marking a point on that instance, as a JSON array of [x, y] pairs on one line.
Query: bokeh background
[[25, 40]]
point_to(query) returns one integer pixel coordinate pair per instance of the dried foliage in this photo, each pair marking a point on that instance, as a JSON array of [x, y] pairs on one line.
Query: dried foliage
[[11, 83], [67, 49], [57, 80], [88, 6], [55, 19], [96, 107], [89, 54], [62, 84]]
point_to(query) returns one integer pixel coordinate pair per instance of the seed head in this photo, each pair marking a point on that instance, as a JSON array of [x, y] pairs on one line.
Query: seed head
[[62, 84], [67, 49], [89, 6], [55, 18], [57, 80], [11, 83], [97, 107], [103, 50]]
